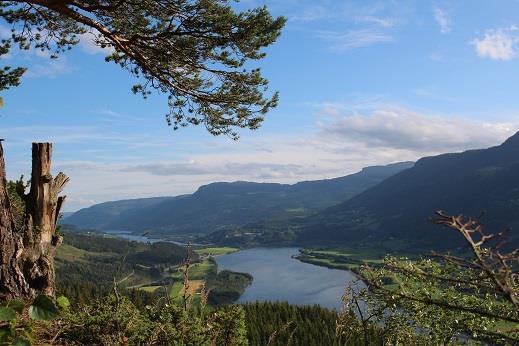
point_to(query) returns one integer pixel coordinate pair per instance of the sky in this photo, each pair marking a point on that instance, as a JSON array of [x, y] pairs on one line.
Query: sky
[[361, 83]]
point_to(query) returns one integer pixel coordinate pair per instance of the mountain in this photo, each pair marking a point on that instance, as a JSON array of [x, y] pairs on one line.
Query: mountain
[[101, 216], [476, 182], [224, 205], [65, 214]]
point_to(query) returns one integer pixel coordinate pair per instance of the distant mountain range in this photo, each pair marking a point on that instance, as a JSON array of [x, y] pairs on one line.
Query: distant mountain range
[[379, 205], [229, 205], [480, 183]]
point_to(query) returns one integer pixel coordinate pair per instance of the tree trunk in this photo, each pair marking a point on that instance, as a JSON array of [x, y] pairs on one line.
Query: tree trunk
[[27, 266], [12, 283]]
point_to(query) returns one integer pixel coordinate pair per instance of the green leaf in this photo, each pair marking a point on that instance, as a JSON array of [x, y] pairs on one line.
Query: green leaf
[[43, 308], [5, 333], [7, 314], [21, 342], [63, 302], [17, 305]]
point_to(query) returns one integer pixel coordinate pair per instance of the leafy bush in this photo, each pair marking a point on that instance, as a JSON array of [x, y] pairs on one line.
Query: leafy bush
[[17, 319], [448, 299], [116, 320]]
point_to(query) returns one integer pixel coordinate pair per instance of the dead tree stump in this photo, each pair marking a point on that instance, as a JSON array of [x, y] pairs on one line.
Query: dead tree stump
[[27, 258]]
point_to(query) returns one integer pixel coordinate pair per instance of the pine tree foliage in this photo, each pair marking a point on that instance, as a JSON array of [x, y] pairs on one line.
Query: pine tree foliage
[[115, 320], [197, 52]]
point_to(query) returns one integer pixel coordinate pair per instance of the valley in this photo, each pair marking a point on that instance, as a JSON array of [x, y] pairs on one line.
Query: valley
[[385, 207], [221, 206], [87, 266], [365, 228], [290, 173], [230, 274]]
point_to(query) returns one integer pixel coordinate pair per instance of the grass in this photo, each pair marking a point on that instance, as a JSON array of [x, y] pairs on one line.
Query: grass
[[176, 290], [346, 259], [216, 251], [199, 271], [149, 289], [69, 253]]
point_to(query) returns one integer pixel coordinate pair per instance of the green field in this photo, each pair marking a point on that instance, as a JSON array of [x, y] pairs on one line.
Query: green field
[[153, 269], [215, 251], [150, 289], [174, 289], [198, 274], [177, 289], [201, 270], [346, 259], [73, 254]]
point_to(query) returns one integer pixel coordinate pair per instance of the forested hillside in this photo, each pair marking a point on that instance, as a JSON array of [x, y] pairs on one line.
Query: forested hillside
[[87, 265], [222, 205], [476, 182], [271, 323]]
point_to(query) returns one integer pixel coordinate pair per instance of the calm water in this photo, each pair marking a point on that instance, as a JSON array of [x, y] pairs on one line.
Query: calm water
[[278, 277], [142, 238], [130, 236]]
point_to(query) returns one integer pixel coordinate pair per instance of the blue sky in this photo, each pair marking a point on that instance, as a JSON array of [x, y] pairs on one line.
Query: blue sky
[[361, 83]]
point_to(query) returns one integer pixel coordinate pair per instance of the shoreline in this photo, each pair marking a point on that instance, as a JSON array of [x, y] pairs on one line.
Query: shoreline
[[348, 260]]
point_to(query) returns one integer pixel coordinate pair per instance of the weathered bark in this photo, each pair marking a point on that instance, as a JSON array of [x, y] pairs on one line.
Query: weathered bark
[[27, 266], [12, 282]]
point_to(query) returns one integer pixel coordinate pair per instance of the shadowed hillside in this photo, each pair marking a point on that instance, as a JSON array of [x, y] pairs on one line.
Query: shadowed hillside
[[221, 205], [471, 183]]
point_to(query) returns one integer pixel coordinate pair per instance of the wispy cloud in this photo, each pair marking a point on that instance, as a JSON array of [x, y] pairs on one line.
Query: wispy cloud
[[352, 39], [38, 61], [498, 44], [385, 22], [443, 20], [57, 134], [50, 68], [355, 25], [346, 138], [252, 170], [313, 13]]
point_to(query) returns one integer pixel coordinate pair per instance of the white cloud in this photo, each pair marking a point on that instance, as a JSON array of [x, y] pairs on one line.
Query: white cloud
[[88, 43], [442, 19], [423, 134], [355, 38], [350, 136], [250, 170], [498, 44]]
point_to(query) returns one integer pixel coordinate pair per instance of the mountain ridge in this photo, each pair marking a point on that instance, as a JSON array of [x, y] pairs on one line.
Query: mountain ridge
[[470, 183], [221, 204]]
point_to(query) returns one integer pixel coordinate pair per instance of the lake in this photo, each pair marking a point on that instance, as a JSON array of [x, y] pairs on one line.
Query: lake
[[132, 237], [279, 277], [142, 238]]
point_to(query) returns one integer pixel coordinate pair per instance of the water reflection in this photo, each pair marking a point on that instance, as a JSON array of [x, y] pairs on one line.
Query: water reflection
[[279, 277]]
